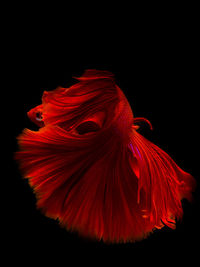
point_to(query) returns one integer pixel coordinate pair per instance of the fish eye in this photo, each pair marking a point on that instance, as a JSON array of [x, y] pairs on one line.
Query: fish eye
[[38, 116]]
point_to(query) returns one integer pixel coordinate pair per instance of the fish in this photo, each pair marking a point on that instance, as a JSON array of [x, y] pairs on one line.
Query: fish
[[92, 171]]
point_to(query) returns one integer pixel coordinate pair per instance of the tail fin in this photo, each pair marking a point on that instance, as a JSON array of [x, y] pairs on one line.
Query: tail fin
[[162, 181]]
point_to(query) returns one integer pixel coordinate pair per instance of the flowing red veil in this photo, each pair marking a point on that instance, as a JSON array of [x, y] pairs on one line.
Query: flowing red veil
[[92, 170]]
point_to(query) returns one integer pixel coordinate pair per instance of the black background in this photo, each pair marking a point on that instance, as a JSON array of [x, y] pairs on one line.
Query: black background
[[156, 67]]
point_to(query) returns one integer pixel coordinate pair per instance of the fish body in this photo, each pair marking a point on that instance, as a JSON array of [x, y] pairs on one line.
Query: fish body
[[92, 171]]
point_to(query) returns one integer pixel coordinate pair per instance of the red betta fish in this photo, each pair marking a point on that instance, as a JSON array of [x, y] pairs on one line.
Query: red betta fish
[[92, 170]]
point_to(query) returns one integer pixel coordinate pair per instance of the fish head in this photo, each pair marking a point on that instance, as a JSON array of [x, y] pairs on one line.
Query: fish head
[[35, 115]]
